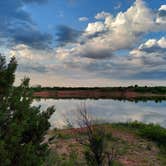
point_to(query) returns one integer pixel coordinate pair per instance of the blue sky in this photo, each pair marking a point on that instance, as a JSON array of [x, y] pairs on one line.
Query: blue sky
[[67, 12], [86, 43]]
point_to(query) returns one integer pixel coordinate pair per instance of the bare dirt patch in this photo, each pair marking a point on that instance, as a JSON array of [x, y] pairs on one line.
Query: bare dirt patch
[[131, 149]]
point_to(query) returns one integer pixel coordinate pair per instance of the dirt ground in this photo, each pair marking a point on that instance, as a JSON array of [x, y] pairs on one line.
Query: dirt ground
[[131, 149]]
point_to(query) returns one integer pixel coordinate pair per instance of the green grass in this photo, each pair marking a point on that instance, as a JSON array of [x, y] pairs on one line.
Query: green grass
[[152, 132], [55, 159]]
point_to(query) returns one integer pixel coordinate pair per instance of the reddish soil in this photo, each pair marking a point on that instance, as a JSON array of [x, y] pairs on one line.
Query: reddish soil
[[135, 148], [45, 94], [94, 94]]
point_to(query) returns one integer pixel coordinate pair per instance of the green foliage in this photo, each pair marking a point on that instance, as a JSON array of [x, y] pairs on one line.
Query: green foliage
[[7, 75], [55, 159], [96, 148], [22, 127], [95, 141], [135, 88], [152, 132]]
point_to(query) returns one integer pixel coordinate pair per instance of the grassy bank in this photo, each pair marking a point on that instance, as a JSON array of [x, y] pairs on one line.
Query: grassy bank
[[135, 144], [152, 132]]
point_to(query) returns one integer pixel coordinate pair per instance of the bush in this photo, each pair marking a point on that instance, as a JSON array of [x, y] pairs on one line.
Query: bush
[[152, 132], [95, 141]]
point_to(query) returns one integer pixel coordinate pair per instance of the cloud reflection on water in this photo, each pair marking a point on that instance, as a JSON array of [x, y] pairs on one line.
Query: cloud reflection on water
[[105, 110]]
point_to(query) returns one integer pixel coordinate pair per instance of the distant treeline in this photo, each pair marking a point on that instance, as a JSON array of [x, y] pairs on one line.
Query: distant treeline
[[136, 88], [157, 99]]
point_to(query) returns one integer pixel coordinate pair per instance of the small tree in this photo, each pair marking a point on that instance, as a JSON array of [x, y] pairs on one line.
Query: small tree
[[95, 141], [22, 126]]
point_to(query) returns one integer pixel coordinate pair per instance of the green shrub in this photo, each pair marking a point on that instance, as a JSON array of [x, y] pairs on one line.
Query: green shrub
[[153, 132], [22, 127]]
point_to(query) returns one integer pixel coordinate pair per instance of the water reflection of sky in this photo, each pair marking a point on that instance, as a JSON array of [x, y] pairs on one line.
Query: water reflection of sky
[[105, 110]]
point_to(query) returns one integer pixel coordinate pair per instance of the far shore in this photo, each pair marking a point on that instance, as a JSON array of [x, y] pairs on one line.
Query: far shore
[[98, 93]]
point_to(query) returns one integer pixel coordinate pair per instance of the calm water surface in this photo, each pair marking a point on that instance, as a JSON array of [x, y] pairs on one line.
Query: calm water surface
[[105, 111]]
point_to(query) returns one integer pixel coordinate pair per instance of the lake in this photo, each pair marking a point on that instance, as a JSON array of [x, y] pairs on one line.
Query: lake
[[104, 110]]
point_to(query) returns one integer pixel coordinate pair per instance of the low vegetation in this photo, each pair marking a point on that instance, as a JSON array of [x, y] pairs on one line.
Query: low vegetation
[[135, 88], [130, 144], [152, 132]]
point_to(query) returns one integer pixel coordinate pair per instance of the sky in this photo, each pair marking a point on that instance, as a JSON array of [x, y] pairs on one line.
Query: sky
[[86, 43]]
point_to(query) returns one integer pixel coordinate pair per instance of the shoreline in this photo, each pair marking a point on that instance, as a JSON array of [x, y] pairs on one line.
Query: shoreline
[[97, 94]]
